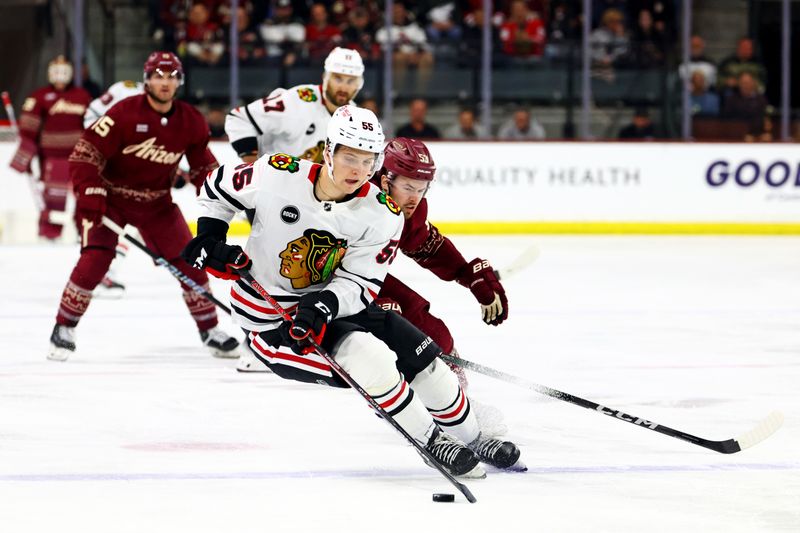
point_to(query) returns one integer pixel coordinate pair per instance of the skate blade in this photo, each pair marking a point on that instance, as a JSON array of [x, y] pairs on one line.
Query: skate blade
[[517, 467], [58, 354], [476, 473], [220, 354], [250, 369]]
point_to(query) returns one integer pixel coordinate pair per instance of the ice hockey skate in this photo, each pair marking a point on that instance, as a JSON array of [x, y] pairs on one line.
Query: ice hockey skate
[[454, 455], [498, 453], [62, 343], [109, 289], [220, 344], [249, 363]]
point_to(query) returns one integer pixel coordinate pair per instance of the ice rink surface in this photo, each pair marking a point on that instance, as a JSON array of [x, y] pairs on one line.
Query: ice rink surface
[[143, 431]]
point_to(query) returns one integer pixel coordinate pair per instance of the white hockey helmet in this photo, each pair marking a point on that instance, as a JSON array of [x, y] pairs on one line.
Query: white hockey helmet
[[344, 61], [357, 128], [59, 70]]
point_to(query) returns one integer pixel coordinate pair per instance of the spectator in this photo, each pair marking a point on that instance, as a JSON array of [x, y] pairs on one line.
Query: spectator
[[563, 28], [442, 26], [203, 43], [359, 35], [742, 61], [640, 128], [466, 127], [610, 45], [216, 122], [417, 128], [523, 33], [699, 61], [472, 40], [251, 46], [521, 127], [410, 46], [650, 43], [663, 13], [284, 34], [321, 36], [703, 101], [372, 105], [747, 103], [89, 85]]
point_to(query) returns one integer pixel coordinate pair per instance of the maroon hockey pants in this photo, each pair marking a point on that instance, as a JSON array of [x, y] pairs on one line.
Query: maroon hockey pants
[[55, 181], [164, 231], [416, 310]]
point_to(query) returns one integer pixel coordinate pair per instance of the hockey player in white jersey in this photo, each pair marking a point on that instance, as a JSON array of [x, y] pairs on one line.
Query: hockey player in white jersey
[[294, 121], [321, 244]]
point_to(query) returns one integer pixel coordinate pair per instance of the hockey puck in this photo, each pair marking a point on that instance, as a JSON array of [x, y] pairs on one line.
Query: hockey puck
[[443, 497]]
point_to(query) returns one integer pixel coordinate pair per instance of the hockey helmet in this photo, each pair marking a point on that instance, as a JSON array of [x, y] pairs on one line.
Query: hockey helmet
[[59, 70], [344, 61], [410, 158], [355, 127], [165, 63]]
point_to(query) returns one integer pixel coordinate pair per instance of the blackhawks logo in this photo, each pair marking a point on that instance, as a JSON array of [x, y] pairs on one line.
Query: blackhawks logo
[[390, 204], [306, 94], [312, 258], [314, 153], [284, 162]]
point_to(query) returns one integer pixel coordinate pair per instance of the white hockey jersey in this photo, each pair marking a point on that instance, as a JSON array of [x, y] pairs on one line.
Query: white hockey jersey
[[292, 121], [119, 91], [299, 244]]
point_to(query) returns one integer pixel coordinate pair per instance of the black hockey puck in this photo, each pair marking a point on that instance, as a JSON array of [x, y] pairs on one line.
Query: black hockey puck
[[443, 497]]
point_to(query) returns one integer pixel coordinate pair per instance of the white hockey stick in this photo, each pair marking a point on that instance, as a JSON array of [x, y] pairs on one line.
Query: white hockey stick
[[523, 261]]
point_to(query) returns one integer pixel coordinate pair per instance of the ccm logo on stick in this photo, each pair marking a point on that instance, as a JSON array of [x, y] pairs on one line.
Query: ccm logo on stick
[[626, 418]]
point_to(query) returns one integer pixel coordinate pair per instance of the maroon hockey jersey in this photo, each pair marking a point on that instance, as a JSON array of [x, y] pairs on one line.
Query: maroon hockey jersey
[[50, 124], [133, 150]]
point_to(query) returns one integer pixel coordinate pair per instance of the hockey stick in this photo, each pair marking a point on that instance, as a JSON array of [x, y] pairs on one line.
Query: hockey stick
[[36, 193], [370, 400], [523, 261], [764, 429], [199, 289]]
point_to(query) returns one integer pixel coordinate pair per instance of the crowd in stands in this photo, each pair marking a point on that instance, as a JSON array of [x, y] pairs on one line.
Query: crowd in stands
[[626, 34]]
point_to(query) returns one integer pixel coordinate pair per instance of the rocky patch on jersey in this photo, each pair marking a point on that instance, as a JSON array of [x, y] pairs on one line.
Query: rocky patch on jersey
[[390, 204], [314, 153], [284, 162], [312, 258], [306, 94]]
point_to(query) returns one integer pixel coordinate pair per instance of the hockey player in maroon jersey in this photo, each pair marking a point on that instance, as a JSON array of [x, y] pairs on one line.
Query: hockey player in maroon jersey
[[407, 172], [49, 126], [123, 168]]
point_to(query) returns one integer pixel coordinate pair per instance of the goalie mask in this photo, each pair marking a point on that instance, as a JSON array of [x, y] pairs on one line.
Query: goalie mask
[[357, 128], [59, 71]]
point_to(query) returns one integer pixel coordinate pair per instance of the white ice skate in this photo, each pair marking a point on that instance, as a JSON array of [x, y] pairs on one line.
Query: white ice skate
[[62, 343], [249, 363]]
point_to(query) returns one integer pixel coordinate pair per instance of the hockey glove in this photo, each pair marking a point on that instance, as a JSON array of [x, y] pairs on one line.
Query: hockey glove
[[479, 277], [208, 251], [314, 313], [90, 204]]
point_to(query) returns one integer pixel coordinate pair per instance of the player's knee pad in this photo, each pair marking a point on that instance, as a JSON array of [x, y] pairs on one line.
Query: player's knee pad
[[368, 361], [92, 266], [437, 385]]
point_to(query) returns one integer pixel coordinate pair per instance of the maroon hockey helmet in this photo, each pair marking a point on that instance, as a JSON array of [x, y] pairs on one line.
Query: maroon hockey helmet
[[166, 62], [410, 158]]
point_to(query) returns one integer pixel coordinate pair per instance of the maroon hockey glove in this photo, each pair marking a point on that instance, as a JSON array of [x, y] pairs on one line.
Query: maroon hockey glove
[[387, 304], [217, 258], [479, 277], [314, 313], [90, 204]]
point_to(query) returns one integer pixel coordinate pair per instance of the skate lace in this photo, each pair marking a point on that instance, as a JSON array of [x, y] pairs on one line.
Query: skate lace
[[445, 448], [488, 447]]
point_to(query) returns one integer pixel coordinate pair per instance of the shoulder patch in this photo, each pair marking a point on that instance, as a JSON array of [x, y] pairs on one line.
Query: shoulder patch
[[284, 162], [307, 94], [129, 84], [390, 204]]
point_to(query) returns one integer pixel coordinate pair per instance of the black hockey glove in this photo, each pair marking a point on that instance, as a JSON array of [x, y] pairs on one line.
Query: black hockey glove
[[314, 313], [208, 251]]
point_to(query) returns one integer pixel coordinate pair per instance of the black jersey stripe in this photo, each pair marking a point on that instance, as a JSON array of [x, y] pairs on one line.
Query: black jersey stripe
[[374, 281], [252, 292], [251, 318], [230, 199], [209, 191], [252, 121]]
